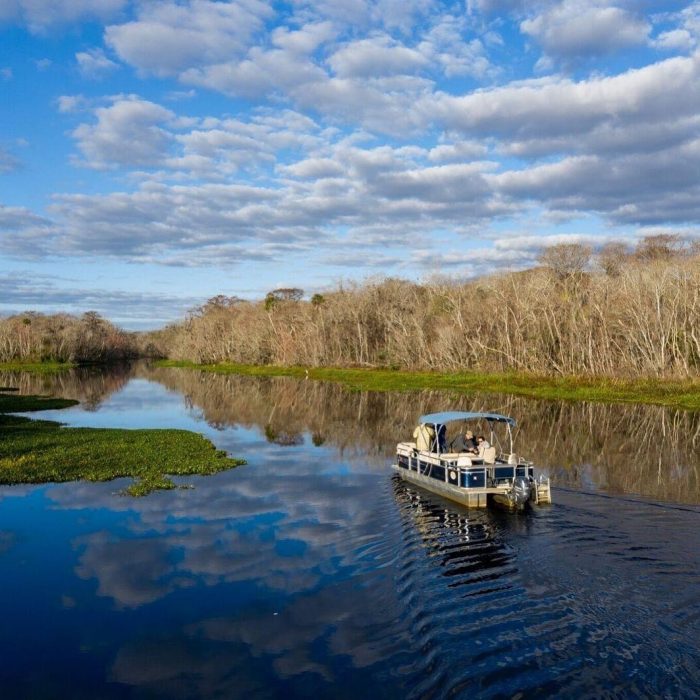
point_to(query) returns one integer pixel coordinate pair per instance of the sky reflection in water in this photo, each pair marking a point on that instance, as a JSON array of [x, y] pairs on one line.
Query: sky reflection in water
[[312, 572]]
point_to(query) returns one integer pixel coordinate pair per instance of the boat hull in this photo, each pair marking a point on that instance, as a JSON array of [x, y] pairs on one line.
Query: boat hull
[[470, 487], [465, 497]]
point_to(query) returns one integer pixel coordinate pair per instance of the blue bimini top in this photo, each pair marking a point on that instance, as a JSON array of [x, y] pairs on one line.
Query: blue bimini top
[[447, 416]]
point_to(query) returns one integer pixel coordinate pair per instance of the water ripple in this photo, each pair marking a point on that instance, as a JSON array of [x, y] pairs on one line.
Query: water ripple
[[574, 611]]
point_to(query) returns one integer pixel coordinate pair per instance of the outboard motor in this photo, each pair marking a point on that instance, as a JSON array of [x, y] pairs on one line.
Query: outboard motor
[[520, 493]]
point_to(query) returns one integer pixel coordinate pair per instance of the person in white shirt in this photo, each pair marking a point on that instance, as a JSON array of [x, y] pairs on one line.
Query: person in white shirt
[[483, 444]]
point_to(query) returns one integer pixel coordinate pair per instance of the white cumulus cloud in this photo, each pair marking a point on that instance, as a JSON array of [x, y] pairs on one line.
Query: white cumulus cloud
[[128, 132], [167, 38], [580, 28], [40, 15], [375, 56], [94, 64]]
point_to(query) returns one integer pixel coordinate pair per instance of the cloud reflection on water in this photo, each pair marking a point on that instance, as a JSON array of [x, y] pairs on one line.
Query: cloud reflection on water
[[311, 567]]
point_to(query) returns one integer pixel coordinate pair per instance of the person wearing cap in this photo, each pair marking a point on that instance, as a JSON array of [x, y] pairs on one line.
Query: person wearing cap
[[465, 443]]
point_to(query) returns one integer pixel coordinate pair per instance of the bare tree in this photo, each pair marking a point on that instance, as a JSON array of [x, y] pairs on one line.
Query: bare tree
[[60, 337], [662, 246], [566, 259], [612, 258]]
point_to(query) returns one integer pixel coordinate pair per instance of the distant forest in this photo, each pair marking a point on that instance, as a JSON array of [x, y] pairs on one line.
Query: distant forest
[[34, 337], [617, 313]]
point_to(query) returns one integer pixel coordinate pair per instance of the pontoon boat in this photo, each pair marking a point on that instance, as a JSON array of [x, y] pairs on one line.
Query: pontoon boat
[[490, 475]]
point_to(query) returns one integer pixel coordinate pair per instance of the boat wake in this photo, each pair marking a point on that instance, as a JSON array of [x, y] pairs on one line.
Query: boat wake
[[564, 600]]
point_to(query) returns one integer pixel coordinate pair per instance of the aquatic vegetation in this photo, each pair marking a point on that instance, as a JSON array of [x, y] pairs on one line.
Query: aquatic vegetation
[[676, 393], [39, 451], [19, 403], [36, 367]]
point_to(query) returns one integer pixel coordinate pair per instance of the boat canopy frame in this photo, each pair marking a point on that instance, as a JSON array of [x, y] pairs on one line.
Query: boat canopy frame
[[438, 419]]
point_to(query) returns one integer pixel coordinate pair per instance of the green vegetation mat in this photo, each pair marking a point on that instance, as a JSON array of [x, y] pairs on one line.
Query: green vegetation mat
[[15, 403], [674, 393], [38, 451]]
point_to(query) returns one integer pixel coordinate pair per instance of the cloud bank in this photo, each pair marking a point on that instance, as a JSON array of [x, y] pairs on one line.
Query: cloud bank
[[311, 131]]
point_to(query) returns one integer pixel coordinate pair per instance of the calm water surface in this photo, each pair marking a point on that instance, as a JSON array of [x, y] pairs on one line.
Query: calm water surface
[[313, 572]]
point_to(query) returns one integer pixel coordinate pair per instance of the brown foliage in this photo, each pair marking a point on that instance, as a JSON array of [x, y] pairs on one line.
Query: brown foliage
[[34, 337], [640, 317], [644, 320], [613, 257], [663, 247], [566, 259]]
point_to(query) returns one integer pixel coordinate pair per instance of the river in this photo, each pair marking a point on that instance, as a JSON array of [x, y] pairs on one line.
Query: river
[[313, 572]]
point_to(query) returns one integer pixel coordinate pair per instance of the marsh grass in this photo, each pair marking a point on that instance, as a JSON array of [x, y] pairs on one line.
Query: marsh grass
[[683, 394], [36, 367], [40, 451]]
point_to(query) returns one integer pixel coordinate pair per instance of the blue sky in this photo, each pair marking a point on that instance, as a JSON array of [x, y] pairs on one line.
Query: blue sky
[[158, 152]]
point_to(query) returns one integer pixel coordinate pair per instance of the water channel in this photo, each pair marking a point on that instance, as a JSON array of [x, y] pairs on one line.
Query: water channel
[[313, 572]]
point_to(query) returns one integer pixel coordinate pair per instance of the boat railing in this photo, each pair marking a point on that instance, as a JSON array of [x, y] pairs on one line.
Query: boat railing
[[460, 469], [494, 473]]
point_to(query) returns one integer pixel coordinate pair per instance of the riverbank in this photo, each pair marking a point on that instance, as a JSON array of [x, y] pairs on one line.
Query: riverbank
[[684, 394], [39, 451], [36, 367]]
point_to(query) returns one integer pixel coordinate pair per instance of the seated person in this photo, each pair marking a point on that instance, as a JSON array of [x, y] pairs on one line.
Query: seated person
[[483, 444], [465, 443]]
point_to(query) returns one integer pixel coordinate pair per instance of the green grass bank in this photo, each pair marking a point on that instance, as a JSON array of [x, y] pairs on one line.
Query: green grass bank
[[36, 367], [39, 451], [684, 394]]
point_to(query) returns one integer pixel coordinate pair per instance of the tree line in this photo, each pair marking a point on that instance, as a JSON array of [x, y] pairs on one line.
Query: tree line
[[35, 337], [618, 312]]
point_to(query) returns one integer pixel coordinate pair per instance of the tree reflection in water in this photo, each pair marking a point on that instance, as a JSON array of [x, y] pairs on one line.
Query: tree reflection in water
[[336, 579], [633, 449], [637, 449], [89, 385]]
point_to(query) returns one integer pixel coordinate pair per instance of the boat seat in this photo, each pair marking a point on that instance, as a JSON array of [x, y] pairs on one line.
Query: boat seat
[[489, 455], [406, 448], [462, 459]]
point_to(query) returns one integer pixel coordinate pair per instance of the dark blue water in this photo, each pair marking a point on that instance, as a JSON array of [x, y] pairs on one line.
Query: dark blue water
[[313, 572]]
